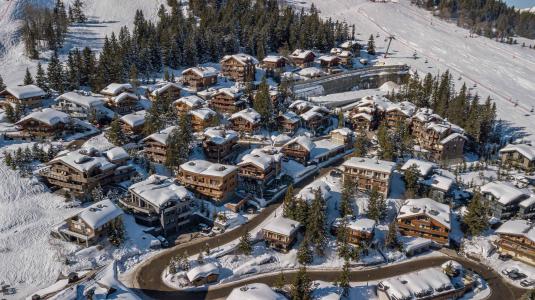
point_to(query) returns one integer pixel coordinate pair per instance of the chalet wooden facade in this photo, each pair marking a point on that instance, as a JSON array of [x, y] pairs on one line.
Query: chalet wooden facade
[[516, 239], [328, 62], [519, 156], [281, 233], [369, 174], [245, 121], [185, 104], [227, 100], [167, 90], [218, 143], [46, 124], [298, 149], [274, 64], [302, 58], [155, 145], [361, 231], [123, 103], [257, 171], [202, 118], [425, 218], [288, 122], [28, 96], [159, 202], [199, 78], [239, 67], [78, 172], [209, 180], [132, 124]]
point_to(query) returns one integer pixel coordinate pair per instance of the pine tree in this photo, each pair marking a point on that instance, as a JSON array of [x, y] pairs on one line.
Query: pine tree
[[301, 288], [28, 79], [476, 219], [371, 45], [304, 254], [40, 77], [342, 240], [412, 174], [343, 279], [289, 204], [348, 191], [376, 206], [391, 239], [361, 144], [115, 134], [77, 12], [385, 142], [55, 74], [8, 159], [341, 120], [316, 231], [245, 244], [97, 194], [262, 103], [10, 113], [116, 232], [2, 85]]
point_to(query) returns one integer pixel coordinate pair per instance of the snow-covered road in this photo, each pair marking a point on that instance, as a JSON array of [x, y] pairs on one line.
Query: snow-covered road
[[505, 72]]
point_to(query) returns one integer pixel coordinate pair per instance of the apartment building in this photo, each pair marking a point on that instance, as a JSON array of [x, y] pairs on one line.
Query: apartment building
[[369, 174], [239, 67], [82, 106], [46, 124], [425, 218], [258, 170], [161, 203], [210, 180], [503, 199], [166, 90]]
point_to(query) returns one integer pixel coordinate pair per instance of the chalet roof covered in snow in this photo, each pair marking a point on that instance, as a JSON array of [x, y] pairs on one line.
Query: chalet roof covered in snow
[[424, 167], [47, 116], [431, 281], [117, 153], [348, 44], [164, 87], [311, 72], [525, 150], [134, 119], [405, 107], [290, 116], [518, 227], [203, 113], [429, 207], [81, 100], [207, 168], [241, 58], [329, 58], [316, 111], [439, 182], [192, 101], [254, 291], [362, 115], [528, 202], [283, 226], [83, 162], [504, 192], [220, 135], [24, 92], [114, 89], [426, 115], [273, 58], [370, 164], [161, 136], [300, 105], [303, 141], [301, 54], [259, 159], [324, 147], [362, 225], [309, 192], [248, 114], [202, 71], [451, 137], [231, 92], [100, 213], [343, 131], [159, 190], [202, 271], [123, 97]]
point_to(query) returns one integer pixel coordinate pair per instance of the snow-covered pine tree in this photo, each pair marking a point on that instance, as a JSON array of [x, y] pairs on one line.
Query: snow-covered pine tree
[[40, 78], [28, 79]]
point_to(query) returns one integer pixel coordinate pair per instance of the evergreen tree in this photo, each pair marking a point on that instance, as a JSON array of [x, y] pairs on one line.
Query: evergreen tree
[[8, 159], [412, 174], [2, 85], [348, 191], [371, 45], [153, 122], [115, 134], [10, 113], [385, 142], [289, 204], [262, 103], [28, 79], [97, 194], [391, 239], [301, 288], [116, 232], [245, 245], [77, 12], [376, 206], [304, 254], [342, 240], [40, 77], [362, 144], [476, 219], [316, 231], [341, 120], [55, 74], [343, 279]]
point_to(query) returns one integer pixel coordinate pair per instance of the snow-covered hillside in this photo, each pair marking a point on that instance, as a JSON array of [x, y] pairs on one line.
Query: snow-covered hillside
[[105, 17], [505, 72]]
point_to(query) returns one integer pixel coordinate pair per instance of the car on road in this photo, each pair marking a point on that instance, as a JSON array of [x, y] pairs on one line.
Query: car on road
[[527, 282], [509, 270], [218, 230], [517, 275], [163, 241], [504, 257]]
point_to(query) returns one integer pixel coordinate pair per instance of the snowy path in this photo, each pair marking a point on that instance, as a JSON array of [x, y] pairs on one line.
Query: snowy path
[[505, 72], [29, 258]]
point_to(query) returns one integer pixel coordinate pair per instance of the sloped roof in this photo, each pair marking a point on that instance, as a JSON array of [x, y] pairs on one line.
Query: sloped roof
[[207, 168], [282, 226], [48, 116], [248, 114], [116, 88], [81, 100], [159, 190], [431, 208], [526, 150], [134, 119], [100, 213], [504, 192], [370, 164], [25, 91], [202, 71]]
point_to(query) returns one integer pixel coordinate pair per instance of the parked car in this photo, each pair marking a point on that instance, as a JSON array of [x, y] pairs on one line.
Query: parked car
[[527, 282], [218, 230], [509, 270], [163, 241], [504, 257], [517, 275]]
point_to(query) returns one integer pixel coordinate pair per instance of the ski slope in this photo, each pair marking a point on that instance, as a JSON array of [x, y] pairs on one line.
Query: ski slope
[[505, 72], [104, 17]]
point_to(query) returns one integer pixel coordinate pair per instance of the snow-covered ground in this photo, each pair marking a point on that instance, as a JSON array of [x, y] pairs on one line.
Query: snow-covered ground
[[104, 17], [502, 71]]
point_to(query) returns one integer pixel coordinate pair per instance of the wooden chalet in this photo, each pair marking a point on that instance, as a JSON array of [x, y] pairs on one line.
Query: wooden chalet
[[369, 174], [425, 218], [328, 62], [115, 89], [155, 145], [281, 233], [167, 90], [274, 64], [209, 180], [239, 67], [227, 100], [516, 238], [132, 124], [123, 103], [202, 118], [288, 122], [199, 78], [258, 170], [27, 96], [361, 231], [218, 143], [188, 103], [245, 121], [298, 149], [316, 119], [302, 58], [519, 155], [46, 124]]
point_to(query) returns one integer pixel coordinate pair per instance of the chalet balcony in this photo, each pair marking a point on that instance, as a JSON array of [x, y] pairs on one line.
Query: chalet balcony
[[440, 232], [518, 248]]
